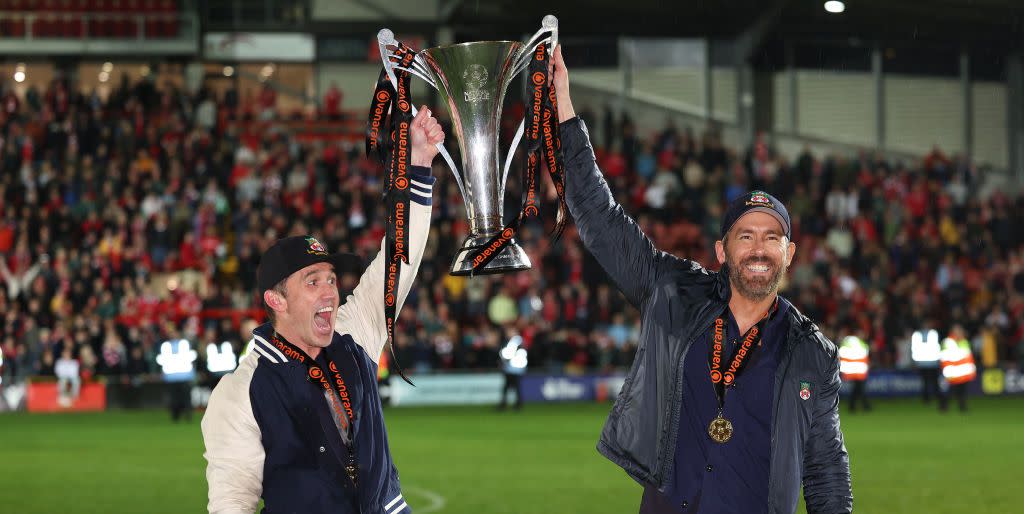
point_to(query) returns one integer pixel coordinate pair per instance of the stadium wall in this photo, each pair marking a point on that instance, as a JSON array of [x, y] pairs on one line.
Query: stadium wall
[[835, 109]]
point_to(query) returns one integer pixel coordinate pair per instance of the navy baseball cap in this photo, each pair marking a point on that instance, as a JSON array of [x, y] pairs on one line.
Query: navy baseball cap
[[291, 254], [756, 201]]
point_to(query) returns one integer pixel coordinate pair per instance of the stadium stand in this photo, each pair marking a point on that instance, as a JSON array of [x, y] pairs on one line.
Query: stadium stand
[[112, 19], [130, 220]]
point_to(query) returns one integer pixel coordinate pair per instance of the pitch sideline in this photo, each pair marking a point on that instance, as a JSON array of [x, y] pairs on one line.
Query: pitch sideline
[[437, 502]]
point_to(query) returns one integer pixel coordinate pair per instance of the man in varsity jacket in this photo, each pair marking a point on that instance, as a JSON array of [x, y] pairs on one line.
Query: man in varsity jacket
[[299, 423]]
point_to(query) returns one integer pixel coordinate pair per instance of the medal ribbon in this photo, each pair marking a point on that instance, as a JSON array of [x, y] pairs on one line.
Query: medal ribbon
[[342, 404], [376, 124], [540, 130], [335, 393], [723, 377], [391, 109], [553, 153]]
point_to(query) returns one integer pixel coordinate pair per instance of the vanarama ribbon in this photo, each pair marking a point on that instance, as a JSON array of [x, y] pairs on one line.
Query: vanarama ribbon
[[388, 139]]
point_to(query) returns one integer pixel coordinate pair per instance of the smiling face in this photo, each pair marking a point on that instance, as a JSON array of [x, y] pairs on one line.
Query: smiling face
[[758, 253], [305, 313]]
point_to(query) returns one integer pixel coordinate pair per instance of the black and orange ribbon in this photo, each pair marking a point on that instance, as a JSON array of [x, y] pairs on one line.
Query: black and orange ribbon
[[726, 371], [388, 139], [337, 393]]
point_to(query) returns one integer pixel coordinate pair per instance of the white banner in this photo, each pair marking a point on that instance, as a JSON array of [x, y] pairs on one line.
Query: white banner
[[250, 46]]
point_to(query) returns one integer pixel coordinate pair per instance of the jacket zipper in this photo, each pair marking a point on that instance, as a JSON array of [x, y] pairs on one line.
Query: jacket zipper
[[678, 410]]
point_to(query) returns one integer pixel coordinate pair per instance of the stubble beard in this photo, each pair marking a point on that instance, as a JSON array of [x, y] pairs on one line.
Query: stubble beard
[[755, 289]]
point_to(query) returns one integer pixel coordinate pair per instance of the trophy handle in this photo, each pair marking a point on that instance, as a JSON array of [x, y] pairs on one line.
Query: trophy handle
[[386, 38], [419, 68], [548, 25], [512, 150]]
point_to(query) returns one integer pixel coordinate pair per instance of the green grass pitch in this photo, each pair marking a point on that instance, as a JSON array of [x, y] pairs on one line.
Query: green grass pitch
[[906, 458]]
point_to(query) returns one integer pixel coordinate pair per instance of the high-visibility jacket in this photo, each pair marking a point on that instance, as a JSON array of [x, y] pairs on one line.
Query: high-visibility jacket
[[957, 361], [924, 349], [513, 357], [853, 359]]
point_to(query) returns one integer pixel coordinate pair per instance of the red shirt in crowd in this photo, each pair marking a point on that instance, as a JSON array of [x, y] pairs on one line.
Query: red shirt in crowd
[[332, 101], [864, 229], [917, 201], [208, 243], [187, 258], [268, 98], [614, 165], [6, 236]]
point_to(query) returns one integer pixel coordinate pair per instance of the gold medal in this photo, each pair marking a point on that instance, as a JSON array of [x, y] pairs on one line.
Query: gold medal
[[353, 472], [720, 430]]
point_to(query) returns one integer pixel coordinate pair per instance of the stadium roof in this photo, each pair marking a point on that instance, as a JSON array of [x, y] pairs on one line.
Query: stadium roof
[[972, 22]]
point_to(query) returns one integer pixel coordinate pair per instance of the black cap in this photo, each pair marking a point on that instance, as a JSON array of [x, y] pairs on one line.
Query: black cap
[[291, 254], [756, 201]]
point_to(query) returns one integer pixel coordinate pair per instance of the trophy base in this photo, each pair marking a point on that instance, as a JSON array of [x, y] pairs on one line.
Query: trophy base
[[511, 258]]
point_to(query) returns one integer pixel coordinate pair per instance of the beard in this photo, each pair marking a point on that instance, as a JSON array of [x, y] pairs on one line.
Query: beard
[[755, 288]]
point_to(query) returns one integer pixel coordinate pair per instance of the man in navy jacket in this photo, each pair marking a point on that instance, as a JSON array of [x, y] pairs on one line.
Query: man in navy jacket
[[731, 404], [300, 423]]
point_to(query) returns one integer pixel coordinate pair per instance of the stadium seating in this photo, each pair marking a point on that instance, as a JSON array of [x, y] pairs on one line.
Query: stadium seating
[[133, 199], [116, 19]]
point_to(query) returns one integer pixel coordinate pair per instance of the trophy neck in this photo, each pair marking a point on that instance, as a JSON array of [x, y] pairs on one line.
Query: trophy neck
[[472, 79]]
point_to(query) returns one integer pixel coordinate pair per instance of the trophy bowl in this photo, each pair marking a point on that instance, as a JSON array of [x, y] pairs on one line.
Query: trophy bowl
[[472, 79]]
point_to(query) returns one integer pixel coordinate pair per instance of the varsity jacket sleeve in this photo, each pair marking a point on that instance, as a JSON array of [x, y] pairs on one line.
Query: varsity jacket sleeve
[[616, 241], [827, 488], [362, 315], [234, 450]]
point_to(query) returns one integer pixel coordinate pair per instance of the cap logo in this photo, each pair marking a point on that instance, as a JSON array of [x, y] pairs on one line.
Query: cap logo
[[315, 248], [759, 199]]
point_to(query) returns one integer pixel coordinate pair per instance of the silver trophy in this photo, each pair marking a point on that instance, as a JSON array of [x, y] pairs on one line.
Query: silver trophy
[[472, 79]]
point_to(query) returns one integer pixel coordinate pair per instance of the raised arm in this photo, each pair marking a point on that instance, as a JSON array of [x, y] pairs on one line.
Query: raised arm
[[362, 315], [615, 240]]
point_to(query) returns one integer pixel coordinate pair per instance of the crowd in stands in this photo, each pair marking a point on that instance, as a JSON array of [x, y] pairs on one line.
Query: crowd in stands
[[139, 218]]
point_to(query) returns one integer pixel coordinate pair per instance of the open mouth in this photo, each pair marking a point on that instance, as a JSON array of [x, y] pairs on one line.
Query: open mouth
[[322, 321]]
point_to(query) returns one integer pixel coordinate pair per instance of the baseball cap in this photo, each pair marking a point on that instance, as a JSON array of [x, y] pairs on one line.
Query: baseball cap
[[291, 254], [756, 201]]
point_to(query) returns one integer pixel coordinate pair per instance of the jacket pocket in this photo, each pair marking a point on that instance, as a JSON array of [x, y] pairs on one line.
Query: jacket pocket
[[636, 374]]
